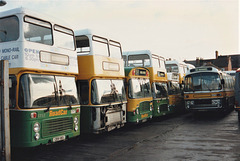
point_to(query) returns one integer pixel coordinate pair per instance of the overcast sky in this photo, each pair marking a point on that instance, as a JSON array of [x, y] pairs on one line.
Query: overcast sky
[[177, 29]]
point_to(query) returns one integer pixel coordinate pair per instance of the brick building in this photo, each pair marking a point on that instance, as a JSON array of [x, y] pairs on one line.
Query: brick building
[[223, 62]]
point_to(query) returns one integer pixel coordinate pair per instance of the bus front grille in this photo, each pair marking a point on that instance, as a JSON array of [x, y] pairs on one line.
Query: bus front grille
[[57, 126], [203, 101], [164, 107], [144, 106]]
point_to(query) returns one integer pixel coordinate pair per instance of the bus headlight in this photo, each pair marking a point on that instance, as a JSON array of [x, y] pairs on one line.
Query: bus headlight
[[137, 111], [76, 127], [37, 136], [216, 102], [36, 127], [189, 103], [75, 120]]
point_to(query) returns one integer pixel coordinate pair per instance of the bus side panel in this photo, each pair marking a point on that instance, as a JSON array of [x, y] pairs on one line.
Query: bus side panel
[[176, 103], [86, 119], [237, 91]]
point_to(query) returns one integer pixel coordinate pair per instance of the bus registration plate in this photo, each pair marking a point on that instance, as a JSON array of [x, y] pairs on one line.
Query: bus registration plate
[[59, 138], [144, 115]]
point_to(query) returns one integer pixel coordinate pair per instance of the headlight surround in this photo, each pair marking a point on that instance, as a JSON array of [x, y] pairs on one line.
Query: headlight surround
[[76, 127], [216, 101], [36, 127], [75, 120], [190, 102], [137, 111], [37, 136]]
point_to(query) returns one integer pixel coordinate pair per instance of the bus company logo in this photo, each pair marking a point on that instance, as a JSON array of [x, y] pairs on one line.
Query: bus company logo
[[57, 113]]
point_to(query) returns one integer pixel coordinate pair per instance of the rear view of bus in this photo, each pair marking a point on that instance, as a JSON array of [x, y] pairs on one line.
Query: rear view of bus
[[139, 96], [44, 106], [100, 83]]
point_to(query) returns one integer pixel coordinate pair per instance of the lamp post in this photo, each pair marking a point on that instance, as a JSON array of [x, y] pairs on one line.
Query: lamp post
[[2, 2]]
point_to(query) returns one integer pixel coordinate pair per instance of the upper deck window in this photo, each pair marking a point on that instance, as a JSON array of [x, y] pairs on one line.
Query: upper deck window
[[38, 31], [162, 63], [115, 49], [172, 68], [64, 37], [142, 60], [82, 43], [9, 29], [155, 62], [100, 46]]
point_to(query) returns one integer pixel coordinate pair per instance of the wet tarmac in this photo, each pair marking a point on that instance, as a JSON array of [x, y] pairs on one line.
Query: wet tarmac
[[206, 136]]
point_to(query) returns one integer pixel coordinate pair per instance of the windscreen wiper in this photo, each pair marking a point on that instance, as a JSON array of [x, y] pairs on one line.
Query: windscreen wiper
[[207, 86]]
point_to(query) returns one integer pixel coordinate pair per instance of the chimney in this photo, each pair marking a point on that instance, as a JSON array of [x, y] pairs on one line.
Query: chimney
[[216, 53], [197, 62], [229, 63]]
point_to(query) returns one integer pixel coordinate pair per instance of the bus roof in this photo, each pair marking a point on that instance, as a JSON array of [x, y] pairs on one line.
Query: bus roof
[[203, 69], [92, 32], [22, 10], [83, 32], [138, 52], [175, 62]]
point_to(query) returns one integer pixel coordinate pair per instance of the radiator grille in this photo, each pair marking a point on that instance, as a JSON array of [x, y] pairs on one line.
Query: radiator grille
[[57, 126], [164, 107], [202, 101], [144, 106]]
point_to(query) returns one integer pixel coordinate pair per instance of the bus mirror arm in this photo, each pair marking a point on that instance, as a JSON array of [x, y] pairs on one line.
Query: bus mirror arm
[[70, 105], [48, 108], [222, 81]]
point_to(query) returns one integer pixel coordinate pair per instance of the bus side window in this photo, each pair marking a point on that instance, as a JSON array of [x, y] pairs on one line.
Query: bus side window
[[83, 92]]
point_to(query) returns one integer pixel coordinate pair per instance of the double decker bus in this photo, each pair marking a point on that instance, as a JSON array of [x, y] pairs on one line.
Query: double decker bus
[[175, 93], [100, 82], [174, 66], [158, 77], [44, 106], [176, 72], [207, 88], [139, 96]]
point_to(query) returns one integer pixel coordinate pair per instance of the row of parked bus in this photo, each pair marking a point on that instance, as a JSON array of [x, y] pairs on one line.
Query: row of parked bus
[[64, 81]]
